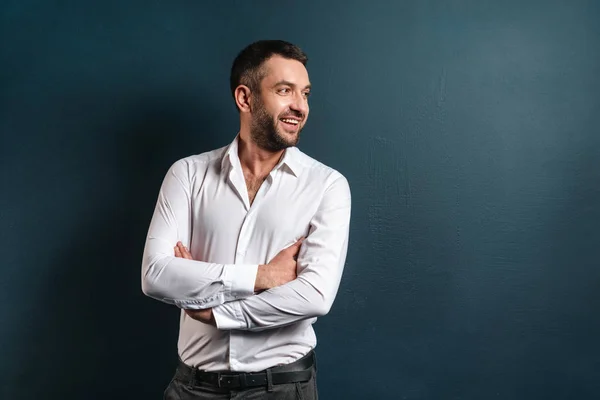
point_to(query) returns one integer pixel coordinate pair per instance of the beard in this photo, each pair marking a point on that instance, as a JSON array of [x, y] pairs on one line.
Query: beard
[[264, 133]]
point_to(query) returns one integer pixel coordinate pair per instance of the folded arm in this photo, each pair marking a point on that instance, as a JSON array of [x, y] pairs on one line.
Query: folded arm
[[183, 282], [320, 265]]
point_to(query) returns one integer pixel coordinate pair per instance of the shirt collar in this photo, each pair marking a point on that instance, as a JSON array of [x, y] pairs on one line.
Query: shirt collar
[[289, 160], [231, 155]]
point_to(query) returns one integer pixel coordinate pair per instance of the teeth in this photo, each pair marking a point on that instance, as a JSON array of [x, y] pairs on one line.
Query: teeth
[[290, 121]]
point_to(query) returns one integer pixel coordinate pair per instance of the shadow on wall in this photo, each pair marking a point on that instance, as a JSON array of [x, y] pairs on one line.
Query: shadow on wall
[[97, 335]]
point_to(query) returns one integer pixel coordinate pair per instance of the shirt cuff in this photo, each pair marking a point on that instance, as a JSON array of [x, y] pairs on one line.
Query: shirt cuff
[[240, 280], [229, 316]]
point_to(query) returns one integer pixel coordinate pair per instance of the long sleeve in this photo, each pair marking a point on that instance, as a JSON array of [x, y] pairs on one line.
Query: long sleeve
[[320, 264], [186, 283]]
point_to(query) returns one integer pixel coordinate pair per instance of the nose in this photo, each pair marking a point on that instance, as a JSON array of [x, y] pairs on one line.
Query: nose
[[300, 104]]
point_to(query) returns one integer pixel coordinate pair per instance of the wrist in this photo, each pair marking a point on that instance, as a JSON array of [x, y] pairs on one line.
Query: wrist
[[211, 317], [259, 283], [206, 316]]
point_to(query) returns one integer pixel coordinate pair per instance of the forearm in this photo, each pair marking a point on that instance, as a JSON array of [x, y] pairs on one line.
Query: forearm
[[320, 263], [186, 283], [193, 284], [310, 295], [274, 308]]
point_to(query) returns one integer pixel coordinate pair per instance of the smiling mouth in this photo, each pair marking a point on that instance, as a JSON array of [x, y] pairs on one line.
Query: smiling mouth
[[290, 124], [290, 121]]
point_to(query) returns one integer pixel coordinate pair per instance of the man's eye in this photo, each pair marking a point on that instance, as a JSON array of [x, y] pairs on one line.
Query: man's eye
[[306, 94], [284, 90]]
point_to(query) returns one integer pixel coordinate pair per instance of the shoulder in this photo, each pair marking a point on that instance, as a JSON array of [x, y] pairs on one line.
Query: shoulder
[[317, 171], [198, 163]]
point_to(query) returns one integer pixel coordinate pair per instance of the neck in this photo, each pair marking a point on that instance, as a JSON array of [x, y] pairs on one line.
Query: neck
[[255, 160]]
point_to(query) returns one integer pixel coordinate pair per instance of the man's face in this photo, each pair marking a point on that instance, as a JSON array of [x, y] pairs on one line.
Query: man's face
[[280, 110]]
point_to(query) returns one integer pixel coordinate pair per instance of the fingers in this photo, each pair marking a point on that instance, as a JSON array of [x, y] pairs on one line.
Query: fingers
[[182, 252], [295, 248], [185, 253], [299, 243]]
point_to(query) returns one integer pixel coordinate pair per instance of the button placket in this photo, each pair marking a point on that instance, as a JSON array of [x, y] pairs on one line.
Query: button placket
[[240, 250], [243, 239]]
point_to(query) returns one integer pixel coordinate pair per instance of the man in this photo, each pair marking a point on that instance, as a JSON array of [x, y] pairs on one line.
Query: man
[[250, 242]]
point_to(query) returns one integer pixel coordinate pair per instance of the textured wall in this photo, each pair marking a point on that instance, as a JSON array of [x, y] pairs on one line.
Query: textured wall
[[468, 132]]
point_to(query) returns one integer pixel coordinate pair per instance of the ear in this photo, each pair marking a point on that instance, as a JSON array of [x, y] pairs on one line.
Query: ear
[[242, 98]]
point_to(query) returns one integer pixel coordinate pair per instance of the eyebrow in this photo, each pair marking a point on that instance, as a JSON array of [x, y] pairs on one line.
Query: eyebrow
[[288, 83]]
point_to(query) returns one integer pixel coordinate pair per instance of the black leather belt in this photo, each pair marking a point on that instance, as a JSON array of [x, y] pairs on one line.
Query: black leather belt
[[298, 371]]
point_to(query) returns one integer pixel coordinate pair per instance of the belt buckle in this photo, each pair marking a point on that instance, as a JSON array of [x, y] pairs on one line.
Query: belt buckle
[[228, 379], [220, 378]]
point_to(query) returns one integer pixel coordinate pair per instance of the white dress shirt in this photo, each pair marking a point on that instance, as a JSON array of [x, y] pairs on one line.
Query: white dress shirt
[[203, 202]]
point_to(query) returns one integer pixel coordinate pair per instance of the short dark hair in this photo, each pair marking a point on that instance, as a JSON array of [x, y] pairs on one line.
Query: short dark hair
[[247, 68]]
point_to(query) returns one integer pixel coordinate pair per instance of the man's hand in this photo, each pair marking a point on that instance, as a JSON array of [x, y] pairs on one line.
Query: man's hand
[[280, 270], [182, 252], [205, 316]]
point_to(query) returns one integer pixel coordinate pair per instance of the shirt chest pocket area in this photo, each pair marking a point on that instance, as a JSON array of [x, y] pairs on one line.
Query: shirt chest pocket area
[[283, 223]]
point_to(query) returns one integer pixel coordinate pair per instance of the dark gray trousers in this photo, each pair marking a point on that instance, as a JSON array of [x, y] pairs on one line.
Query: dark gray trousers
[[181, 390]]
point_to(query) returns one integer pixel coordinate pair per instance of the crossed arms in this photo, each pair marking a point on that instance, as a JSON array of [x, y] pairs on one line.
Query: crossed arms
[[225, 294]]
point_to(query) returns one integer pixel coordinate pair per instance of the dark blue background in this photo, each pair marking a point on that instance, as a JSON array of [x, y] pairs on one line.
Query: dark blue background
[[468, 132]]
